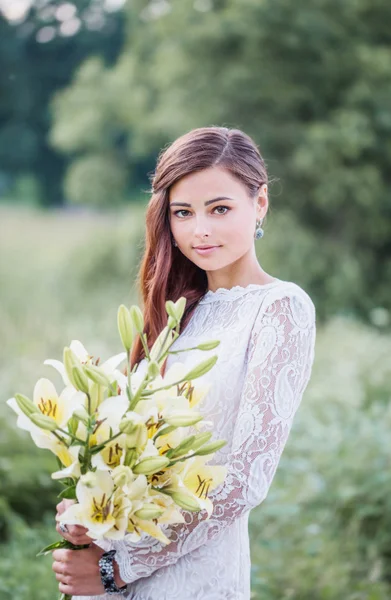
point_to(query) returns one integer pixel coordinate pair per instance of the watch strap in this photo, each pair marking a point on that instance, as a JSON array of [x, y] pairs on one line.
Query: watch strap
[[106, 570]]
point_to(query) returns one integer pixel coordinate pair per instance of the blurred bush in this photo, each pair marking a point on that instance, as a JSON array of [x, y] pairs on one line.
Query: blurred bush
[[21, 574], [325, 529], [96, 180], [26, 486]]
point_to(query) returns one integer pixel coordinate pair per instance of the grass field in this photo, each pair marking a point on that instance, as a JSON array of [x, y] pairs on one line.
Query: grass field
[[323, 533]]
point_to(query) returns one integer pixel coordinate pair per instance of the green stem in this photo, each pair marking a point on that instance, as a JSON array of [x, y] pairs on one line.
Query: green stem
[[138, 393], [130, 396], [103, 444], [146, 349], [60, 439], [163, 344], [72, 436], [89, 402], [166, 387], [180, 459]]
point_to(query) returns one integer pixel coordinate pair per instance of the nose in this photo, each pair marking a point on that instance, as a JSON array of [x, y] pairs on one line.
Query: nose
[[202, 228]]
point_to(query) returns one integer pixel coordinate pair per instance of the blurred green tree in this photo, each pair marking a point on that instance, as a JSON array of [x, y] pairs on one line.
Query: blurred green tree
[[38, 55], [310, 81]]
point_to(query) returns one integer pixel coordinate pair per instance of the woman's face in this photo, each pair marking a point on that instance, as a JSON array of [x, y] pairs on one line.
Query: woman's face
[[226, 221]]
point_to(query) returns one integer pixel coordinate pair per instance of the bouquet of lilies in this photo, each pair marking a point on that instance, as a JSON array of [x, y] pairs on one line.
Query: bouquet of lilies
[[121, 438]]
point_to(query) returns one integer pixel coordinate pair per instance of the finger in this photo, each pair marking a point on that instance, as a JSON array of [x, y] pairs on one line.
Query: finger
[[63, 578], [66, 589], [83, 540], [77, 540], [77, 530], [63, 555], [60, 568], [64, 534]]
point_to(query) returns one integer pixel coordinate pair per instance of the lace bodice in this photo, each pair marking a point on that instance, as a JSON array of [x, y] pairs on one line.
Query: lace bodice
[[265, 358]]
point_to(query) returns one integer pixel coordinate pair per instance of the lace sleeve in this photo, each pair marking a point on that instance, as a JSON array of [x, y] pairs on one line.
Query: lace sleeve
[[279, 364]]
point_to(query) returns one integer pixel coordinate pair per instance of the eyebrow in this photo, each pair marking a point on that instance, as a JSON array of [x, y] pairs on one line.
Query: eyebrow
[[207, 202]]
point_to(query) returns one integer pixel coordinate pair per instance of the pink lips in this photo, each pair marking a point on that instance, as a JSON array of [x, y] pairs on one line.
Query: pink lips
[[206, 249]]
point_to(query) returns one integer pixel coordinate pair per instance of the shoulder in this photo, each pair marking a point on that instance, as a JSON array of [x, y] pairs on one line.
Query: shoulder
[[287, 297]]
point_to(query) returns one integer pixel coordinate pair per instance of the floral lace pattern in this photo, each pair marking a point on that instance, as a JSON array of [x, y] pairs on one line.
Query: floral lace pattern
[[264, 363]]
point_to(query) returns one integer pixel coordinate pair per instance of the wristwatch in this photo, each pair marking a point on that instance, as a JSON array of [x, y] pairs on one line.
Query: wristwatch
[[106, 570]]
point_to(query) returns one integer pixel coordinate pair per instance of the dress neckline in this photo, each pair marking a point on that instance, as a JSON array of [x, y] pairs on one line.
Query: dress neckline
[[223, 293]]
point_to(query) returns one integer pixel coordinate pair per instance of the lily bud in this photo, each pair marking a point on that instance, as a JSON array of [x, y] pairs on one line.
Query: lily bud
[[182, 448], [137, 318], [73, 424], [138, 438], [125, 327], [149, 511], [26, 405], [80, 379], [131, 457], [183, 418], [127, 426], [180, 306], [157, 349], [122, 476], [70, 360], [176, 310], [153, 369], [43, 421], [185, 501], [202, 368], [96, 395], [151, 464], [171, 323], [96, 375], [81, 415], [210, 448], [164, 431], [208, 345], [201, 439], [170, 309]]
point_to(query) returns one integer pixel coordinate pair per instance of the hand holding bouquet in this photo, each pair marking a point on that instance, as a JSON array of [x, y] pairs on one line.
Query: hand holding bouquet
[[121, 438]]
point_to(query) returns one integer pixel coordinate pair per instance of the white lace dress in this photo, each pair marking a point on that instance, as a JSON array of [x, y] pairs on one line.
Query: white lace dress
[[265, 358]]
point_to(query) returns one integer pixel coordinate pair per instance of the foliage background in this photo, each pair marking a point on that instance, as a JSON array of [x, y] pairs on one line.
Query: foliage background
[[90, 91]]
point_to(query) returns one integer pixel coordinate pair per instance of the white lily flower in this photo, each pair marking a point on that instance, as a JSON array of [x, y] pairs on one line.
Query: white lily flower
[[149, 450], [109, 367], [171, 440], [60, 408], [73, 470], [101, 509], [197, 479], [109, 413], [195, 390], [171, 513]]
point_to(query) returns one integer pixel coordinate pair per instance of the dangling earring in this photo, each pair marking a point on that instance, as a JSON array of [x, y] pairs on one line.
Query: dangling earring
[[258, 231], [174, 243]]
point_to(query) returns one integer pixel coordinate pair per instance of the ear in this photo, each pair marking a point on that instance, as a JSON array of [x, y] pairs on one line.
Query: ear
[[262, 201]]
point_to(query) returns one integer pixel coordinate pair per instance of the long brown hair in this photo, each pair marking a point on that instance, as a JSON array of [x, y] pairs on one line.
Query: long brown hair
[[165, 273]]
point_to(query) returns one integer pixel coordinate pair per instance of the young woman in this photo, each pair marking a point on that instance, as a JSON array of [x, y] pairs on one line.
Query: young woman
[[208, 201]]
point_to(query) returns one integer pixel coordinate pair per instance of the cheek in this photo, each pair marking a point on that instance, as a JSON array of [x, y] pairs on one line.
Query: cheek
[[241, 230]]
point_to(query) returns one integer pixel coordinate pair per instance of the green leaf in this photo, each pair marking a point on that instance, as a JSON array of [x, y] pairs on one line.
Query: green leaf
[[69, 492], [61, 544], [54, 546]]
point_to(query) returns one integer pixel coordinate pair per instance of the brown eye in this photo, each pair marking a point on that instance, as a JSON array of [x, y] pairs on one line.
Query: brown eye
[[221, 206], [179, 211]]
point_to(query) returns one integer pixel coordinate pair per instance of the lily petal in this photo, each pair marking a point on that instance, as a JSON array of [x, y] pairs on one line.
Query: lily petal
[[60, 368]]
